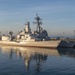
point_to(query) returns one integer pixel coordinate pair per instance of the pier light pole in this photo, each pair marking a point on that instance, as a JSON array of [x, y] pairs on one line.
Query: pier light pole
[[0, 35], [63, 34], [74, 34], [0, 32]]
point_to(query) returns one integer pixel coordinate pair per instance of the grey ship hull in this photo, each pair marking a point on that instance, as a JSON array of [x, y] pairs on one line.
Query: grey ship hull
[[43, 44]]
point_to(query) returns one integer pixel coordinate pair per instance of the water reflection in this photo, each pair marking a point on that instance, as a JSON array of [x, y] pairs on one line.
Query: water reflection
[[67, 51], [39, 55]]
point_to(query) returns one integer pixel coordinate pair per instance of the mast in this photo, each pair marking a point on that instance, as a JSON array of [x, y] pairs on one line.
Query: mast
[[27, 28], [38, 23]]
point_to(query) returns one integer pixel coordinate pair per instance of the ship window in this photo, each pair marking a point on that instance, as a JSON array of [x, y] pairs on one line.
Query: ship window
[[26, 36]]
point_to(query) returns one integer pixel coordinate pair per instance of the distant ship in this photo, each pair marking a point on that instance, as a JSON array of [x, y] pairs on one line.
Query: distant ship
[[37, 38]]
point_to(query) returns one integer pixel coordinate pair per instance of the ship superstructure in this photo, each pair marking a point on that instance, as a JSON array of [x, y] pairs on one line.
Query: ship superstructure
[[38, 35]]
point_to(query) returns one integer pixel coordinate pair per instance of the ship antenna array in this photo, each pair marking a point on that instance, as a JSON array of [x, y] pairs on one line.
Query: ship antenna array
[[38, 22]]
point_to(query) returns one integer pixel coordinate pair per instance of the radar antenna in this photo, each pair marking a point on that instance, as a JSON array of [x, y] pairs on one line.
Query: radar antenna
[[38, 22]]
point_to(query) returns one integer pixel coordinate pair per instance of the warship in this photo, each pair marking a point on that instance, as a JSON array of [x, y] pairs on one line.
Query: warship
[[37, 38]]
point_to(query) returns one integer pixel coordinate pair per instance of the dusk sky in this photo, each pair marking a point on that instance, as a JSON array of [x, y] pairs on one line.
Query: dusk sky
[[58, 16]]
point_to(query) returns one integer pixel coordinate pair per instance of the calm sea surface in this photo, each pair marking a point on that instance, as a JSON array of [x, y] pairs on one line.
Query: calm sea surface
[[36, 61]]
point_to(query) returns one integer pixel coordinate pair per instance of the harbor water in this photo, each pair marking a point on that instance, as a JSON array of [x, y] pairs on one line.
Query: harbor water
[[36, 61]]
